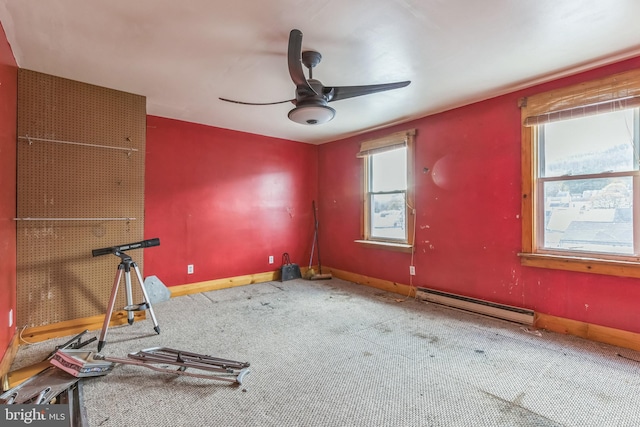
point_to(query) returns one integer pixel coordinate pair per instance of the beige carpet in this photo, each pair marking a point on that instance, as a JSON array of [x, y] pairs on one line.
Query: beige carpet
[[333, 353]]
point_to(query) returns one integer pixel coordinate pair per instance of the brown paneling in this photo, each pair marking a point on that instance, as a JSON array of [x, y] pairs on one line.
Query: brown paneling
[[81, 152]]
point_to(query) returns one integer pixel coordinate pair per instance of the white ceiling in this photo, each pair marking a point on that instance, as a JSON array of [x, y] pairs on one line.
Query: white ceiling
[[184, 55]]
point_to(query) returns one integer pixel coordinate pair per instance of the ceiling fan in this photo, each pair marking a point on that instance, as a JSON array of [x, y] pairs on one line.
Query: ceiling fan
[[311, 95]]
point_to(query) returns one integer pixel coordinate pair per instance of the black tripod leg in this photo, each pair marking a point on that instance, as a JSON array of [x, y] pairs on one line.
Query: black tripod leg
[[146, 298], [112, 301]]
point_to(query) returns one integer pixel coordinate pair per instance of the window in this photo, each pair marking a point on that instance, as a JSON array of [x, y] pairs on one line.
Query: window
[[581, 177], [388, 217]]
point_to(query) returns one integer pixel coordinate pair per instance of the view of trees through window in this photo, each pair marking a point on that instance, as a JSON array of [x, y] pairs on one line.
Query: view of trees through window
[[388, 190], [587, 169]]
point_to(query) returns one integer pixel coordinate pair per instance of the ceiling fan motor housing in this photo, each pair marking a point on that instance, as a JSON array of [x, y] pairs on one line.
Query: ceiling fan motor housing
[[312, 111]]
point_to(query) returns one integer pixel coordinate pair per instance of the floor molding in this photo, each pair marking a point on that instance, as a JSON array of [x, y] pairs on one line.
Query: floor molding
[[385, 285], [217, 284], [589, 331], [9, 355], [228, 282], [73, 327]]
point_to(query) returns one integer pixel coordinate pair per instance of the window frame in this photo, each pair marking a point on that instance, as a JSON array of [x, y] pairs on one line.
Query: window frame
[[612, 92], [372, 147]]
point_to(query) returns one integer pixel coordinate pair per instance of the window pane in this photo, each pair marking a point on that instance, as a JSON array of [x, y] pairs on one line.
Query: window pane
[[389, 171], [387, 216], [591, 215], [588, 145]]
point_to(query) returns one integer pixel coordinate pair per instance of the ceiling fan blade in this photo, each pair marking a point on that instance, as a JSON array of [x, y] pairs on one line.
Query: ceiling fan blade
[[343, 92], [256, 103], [294, 60]]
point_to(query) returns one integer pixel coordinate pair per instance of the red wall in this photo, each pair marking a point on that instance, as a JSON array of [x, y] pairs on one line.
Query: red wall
[[224, 201], [468, 228], [8, 111]]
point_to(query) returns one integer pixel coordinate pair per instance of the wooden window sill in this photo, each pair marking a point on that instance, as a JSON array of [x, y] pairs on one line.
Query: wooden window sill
[[581, 264], [398, 247]]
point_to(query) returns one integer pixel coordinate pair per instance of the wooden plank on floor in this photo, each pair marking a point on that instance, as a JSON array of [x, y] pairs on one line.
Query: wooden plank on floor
[[19, 376]]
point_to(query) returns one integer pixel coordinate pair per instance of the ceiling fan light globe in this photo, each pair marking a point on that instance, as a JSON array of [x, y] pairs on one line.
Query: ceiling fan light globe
[[312, 114]]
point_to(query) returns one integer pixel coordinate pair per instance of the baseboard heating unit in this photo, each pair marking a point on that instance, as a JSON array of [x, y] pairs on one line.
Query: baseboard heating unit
[[486, 308]]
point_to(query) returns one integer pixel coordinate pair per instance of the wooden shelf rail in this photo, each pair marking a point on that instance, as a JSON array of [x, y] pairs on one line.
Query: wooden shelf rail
[[30, 139]]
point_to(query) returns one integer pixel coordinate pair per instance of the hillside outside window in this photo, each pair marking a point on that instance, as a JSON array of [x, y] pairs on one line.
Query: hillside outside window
[[587, 171], [581, 177]]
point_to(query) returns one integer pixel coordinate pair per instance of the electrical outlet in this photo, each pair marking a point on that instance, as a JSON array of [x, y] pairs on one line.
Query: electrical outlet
[[11, 317], [190, 269], [270, 259], [412, 270]]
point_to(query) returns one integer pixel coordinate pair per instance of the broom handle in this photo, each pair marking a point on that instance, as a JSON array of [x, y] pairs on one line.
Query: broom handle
[[313, 244], [315, 219]]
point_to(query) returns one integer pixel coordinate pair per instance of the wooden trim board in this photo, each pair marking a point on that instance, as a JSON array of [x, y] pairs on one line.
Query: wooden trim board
[[19, 376], [385, 285], [588, 331], [217, 284], [228, 282], [75, 326], [7, 359]]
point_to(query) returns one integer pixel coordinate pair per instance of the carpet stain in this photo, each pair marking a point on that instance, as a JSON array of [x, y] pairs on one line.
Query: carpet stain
[[383, 328], [431, 338], [515, 414], [344, 295]]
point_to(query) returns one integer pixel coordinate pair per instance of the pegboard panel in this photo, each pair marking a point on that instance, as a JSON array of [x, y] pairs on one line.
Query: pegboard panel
[[80, 168]]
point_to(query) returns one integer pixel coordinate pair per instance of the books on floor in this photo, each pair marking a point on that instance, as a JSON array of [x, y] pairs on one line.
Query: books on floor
[[80, 363]]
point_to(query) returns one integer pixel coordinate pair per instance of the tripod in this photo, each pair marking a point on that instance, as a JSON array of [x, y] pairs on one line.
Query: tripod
[[126, 264]]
